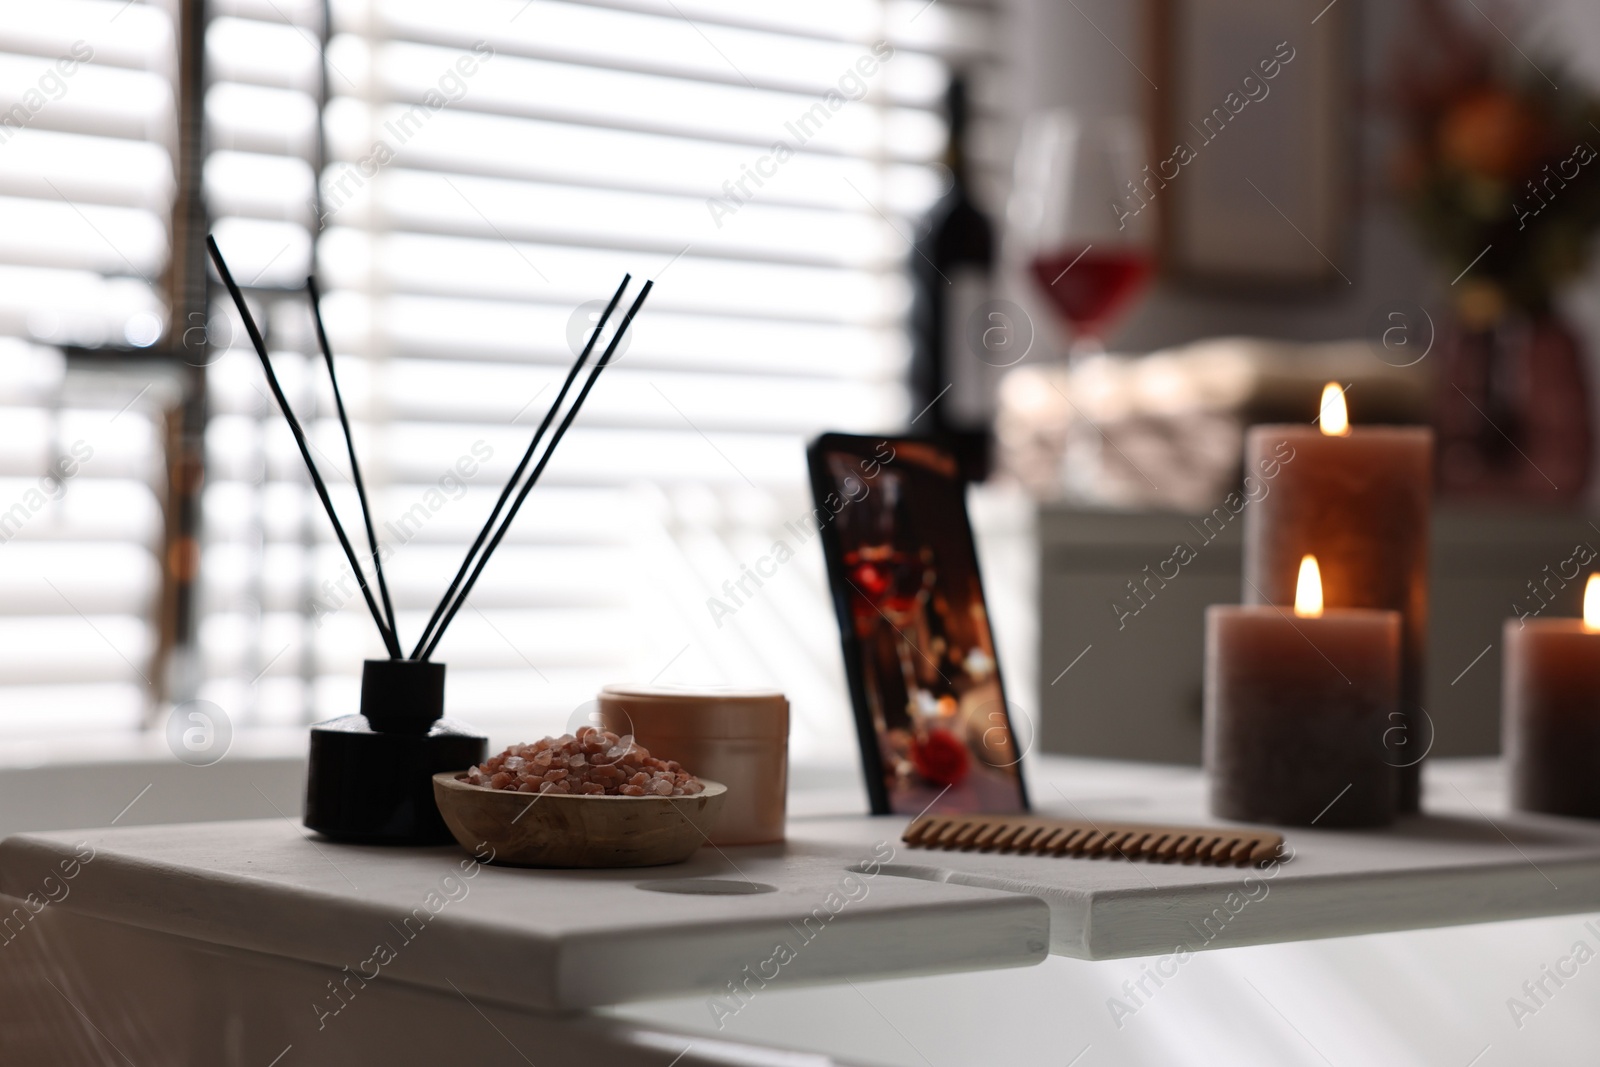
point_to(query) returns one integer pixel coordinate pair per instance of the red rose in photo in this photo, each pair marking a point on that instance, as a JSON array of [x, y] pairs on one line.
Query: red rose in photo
[[940, 757]]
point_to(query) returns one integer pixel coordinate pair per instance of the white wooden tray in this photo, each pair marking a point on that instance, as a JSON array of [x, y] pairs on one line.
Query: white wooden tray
[[540, 939], [1467, 861], [576, 939]]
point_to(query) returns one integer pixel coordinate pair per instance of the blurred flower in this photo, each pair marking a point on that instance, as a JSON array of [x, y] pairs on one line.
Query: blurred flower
[[1493, 132], [1490, 161]]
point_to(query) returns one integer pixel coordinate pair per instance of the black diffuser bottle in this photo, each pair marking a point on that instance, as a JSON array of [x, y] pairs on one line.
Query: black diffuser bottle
[[953, 375], [370, 775]]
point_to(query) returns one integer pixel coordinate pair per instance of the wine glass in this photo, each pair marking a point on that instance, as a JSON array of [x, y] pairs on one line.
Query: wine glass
[[1082, 220]]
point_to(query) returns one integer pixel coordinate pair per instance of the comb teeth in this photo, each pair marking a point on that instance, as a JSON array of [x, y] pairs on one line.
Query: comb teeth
[[1034, 835]]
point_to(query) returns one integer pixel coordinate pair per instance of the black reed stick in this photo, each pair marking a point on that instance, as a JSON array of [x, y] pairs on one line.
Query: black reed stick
[[533, 478], [505, 494], [300, 439], [350, 445]]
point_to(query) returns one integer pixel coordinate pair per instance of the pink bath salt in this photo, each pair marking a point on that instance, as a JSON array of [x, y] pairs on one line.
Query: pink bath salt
[[589, 762]]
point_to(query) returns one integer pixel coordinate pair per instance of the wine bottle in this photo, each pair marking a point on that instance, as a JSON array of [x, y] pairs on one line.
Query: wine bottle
[[953, 384]]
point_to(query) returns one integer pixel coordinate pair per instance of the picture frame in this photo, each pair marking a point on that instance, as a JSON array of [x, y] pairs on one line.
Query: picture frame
[[1253, 149]]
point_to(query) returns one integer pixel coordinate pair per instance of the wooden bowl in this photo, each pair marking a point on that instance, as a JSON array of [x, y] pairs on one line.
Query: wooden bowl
[[565, 830]]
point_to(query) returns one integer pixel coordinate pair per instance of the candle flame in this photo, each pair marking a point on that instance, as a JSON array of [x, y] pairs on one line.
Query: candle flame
[[1308, 590], [1591, 604], [1335, 415]]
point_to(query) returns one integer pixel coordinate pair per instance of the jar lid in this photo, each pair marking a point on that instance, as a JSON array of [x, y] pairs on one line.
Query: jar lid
[[702, 711]]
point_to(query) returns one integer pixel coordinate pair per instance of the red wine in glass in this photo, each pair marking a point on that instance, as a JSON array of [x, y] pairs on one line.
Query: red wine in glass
[[1091, 286], [887, 580]]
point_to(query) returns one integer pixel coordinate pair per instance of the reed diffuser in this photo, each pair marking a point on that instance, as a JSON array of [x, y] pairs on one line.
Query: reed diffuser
[[370, 775]]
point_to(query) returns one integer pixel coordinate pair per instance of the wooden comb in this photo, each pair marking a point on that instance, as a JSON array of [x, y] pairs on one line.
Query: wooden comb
[[1037, 835]]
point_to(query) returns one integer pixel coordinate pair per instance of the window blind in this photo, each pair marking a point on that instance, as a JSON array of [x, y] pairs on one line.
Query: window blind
[[262, 536], [490, 170], [87, 136]]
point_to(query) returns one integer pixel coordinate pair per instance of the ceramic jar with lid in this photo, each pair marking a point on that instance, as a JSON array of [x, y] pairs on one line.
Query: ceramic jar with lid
[[739, 737]]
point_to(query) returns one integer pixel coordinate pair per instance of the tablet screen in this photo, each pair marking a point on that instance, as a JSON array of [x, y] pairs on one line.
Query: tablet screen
[[929, 704]]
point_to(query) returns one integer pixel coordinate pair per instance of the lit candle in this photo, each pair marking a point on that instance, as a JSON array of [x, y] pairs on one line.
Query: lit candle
[[1296, 708], [1552, 710], [1359, 500]]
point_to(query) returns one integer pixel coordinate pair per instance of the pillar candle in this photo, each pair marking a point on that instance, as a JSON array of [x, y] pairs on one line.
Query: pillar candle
[[1296, 708], [1551, 711], [1359, 500]]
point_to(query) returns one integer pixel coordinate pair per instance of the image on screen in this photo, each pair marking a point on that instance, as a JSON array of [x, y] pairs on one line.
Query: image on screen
[[907, 585]]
